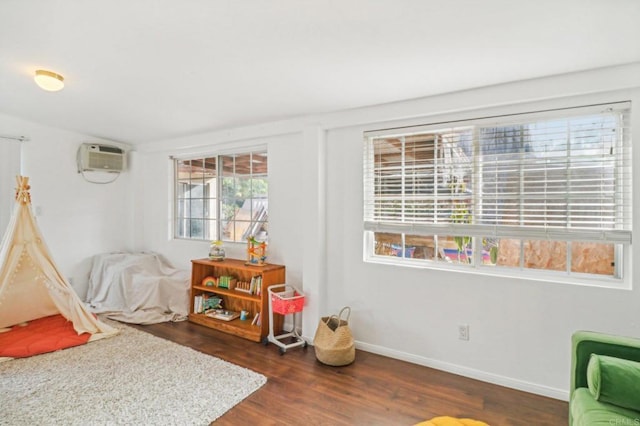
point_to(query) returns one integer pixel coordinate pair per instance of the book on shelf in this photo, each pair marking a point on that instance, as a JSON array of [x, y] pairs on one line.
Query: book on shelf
[[256, 319], [223, 315], [198, 304], [256, 285]]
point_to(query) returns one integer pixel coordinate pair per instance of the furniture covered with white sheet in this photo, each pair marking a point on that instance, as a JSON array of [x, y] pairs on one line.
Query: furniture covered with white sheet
[[140, 288]]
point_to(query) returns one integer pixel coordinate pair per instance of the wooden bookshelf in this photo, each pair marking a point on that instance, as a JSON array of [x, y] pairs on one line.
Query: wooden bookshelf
[[235, 300]]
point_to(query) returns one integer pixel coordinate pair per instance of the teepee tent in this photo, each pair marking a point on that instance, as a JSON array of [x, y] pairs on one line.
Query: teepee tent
[[31, 286]]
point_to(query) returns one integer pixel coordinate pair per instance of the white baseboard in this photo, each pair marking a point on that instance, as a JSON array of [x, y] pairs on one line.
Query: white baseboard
[[467, 372]]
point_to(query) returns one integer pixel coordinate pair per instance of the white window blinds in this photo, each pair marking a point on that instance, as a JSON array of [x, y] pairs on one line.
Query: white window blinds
[[560, 175]]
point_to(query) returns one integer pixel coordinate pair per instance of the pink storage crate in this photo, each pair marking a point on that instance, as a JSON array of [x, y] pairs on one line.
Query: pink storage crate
[[288, 301], [287, 304]]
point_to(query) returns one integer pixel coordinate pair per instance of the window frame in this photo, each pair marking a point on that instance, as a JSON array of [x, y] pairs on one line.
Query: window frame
[[218, 198], [622, 252]]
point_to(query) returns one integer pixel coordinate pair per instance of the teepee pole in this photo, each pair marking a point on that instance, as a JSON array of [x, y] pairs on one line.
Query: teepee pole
[[22, 191]]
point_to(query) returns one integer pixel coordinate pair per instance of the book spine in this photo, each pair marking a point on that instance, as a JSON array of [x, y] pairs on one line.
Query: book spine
[[197, 304], [258, 284]]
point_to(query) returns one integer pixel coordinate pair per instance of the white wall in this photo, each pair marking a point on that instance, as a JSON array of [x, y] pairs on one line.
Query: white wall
[[520, 329], [78, 219], [9, 169]]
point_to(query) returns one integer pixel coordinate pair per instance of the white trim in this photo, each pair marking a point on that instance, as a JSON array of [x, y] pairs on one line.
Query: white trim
[[313, 209], [218, 150], [472, 373], [555, 277], [16, 138], [502, 119], [501, 231]]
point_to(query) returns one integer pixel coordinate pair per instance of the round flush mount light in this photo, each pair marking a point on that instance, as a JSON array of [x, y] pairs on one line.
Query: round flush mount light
[[49, 81]]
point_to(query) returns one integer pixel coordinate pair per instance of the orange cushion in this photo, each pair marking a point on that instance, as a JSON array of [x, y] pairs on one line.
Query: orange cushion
[[40, 336], [451, 421]]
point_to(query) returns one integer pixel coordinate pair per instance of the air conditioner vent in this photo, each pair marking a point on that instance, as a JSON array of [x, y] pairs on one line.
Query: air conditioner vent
[[99, 157]]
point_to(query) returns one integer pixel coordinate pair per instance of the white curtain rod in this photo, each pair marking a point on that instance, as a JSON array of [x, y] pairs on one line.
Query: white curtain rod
[[15, 138]]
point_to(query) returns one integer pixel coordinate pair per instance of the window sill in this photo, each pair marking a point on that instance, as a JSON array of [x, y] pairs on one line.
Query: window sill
[[501, 272]]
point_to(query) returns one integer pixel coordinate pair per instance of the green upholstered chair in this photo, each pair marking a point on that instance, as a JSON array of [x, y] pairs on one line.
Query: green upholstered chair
[[584, 409]]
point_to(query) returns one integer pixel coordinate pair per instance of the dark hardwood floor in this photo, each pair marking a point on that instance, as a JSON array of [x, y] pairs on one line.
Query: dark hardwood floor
[[374, 390]]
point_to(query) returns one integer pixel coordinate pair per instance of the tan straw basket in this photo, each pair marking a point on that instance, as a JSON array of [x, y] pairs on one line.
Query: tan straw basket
[[333, 341]]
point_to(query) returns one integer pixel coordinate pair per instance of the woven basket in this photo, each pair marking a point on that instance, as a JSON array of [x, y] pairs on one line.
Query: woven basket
[[333, 341]]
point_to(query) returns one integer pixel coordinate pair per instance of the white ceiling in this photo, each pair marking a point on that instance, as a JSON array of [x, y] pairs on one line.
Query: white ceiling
[[138, 71]]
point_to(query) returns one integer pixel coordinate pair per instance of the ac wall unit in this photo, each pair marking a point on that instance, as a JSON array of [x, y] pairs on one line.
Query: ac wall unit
[[100, 157]]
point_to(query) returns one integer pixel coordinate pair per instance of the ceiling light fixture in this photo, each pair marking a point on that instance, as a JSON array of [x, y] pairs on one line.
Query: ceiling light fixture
[[49, 81]]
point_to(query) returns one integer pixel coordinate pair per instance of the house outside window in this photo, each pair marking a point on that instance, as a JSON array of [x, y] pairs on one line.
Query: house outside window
[[545, 193], [222, 197]]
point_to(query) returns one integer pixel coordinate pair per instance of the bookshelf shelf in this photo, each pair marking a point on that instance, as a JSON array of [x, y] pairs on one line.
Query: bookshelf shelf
[[235, 300], [226, 292]]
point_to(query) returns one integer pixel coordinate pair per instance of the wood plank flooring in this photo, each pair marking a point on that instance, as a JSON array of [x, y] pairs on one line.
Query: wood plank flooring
[[374, 390]]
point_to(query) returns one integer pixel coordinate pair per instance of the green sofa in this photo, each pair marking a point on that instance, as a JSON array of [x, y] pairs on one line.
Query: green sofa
[[584, 408]]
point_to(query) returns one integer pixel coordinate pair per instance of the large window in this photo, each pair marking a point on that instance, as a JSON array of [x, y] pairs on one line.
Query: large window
[[222, 197], [547, 192]]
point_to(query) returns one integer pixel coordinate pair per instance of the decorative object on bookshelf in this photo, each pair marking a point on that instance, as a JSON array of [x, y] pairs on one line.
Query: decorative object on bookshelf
[[227, 281], [212, 302], [250, 287], [216, 251], [223, 315], [236, 297], [209, 282], [256, 251], [244, 287]]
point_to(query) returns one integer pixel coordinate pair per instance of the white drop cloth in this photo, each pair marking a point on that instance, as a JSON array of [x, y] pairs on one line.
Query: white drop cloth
[[139, 288]]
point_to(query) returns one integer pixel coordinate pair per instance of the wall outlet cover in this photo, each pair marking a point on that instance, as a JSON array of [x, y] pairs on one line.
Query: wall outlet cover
[[463, 332]]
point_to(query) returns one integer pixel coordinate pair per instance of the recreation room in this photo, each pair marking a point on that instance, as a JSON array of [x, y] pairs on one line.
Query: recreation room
[[335, 213]]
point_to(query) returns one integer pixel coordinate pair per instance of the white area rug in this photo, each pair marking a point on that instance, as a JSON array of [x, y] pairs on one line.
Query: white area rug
[[132, 378]]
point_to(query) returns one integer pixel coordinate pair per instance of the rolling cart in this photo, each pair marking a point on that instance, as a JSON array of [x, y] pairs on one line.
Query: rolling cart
[[289, 301]]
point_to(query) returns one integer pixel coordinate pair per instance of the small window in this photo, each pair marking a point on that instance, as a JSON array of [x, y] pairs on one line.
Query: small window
[[222, 197], [547, 192]]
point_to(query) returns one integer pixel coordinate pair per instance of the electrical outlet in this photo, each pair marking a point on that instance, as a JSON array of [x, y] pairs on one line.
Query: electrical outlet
[[463, 332]]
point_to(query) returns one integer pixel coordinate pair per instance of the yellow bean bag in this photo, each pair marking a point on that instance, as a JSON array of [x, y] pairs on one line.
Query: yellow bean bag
[[450, 421]]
